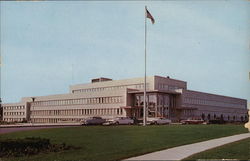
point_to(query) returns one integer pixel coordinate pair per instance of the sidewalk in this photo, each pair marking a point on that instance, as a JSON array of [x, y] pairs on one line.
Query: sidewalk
[[181, 152]]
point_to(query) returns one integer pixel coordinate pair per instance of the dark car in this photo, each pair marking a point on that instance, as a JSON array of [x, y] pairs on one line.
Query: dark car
[[119, 121], [216, 121], [93, 121]]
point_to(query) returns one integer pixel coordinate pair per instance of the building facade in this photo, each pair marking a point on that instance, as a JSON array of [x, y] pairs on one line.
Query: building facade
[[109, 98], [15, 112]]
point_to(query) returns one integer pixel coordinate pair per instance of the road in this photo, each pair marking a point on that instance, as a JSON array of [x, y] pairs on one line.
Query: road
[[15, 129]]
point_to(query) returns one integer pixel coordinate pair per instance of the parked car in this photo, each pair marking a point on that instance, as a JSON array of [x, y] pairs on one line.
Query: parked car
[[119, 121], [93, 121], [158, 121], [193, 121], [108, 122], [216, 121]]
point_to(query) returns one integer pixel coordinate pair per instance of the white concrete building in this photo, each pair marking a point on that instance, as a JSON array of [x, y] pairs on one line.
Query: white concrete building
[[109, 98]]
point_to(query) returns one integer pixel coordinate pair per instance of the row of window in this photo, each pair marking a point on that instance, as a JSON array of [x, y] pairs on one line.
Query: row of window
[[54, 120], [137, 86], [152, 100], [211, 103], [167, 87], [13, 119], [188, 112], [13, 107], [224, 117], [78, 112], [13, 113], [161, 112], [98, 100]]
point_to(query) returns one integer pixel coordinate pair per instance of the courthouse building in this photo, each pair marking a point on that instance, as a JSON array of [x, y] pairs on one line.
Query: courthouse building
[[109, 98]]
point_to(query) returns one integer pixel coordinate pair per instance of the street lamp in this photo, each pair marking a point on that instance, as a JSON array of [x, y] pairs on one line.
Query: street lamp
[[1, 110], [33, 100]]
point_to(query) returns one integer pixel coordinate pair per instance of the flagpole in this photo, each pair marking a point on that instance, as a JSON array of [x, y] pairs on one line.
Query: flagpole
[[144, 104]]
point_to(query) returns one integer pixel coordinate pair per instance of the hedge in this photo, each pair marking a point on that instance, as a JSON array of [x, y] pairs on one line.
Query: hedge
[[28, 146]]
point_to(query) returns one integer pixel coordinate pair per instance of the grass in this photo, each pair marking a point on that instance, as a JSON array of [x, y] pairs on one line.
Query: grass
[[119, 142], [237, 150]]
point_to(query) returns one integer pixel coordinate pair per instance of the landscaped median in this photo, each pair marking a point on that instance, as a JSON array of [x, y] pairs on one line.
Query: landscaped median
[[120, 142]]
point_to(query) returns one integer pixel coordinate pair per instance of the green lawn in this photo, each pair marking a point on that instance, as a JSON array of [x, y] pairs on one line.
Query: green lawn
[[119, 142], [237, 150]]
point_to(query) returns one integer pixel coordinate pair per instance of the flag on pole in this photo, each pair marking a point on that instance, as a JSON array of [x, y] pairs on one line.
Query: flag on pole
[[150, 16]]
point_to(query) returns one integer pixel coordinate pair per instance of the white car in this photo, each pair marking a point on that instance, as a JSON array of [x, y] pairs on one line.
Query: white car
[[193, 121], [120, 121], [108, 122], [158, 121]]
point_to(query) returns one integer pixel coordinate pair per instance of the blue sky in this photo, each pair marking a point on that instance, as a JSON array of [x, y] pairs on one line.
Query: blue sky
[[47, 46]]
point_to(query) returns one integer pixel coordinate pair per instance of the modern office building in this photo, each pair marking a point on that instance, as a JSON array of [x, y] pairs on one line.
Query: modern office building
[[166, 97]]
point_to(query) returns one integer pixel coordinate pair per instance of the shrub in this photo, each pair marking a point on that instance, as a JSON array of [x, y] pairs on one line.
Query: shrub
[[28, 146]]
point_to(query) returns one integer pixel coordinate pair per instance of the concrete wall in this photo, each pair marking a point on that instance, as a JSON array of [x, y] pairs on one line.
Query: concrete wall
[[79, 106], [135, 83], [167, 84]]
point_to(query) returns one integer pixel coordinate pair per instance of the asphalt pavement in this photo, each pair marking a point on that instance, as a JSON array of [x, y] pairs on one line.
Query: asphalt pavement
[[4, 130]]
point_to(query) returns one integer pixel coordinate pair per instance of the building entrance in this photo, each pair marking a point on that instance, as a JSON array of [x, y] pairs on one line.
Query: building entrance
[[157, 105]]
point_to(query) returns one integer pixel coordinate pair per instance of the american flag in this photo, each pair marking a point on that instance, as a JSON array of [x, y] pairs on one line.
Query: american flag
[[150, 16]]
